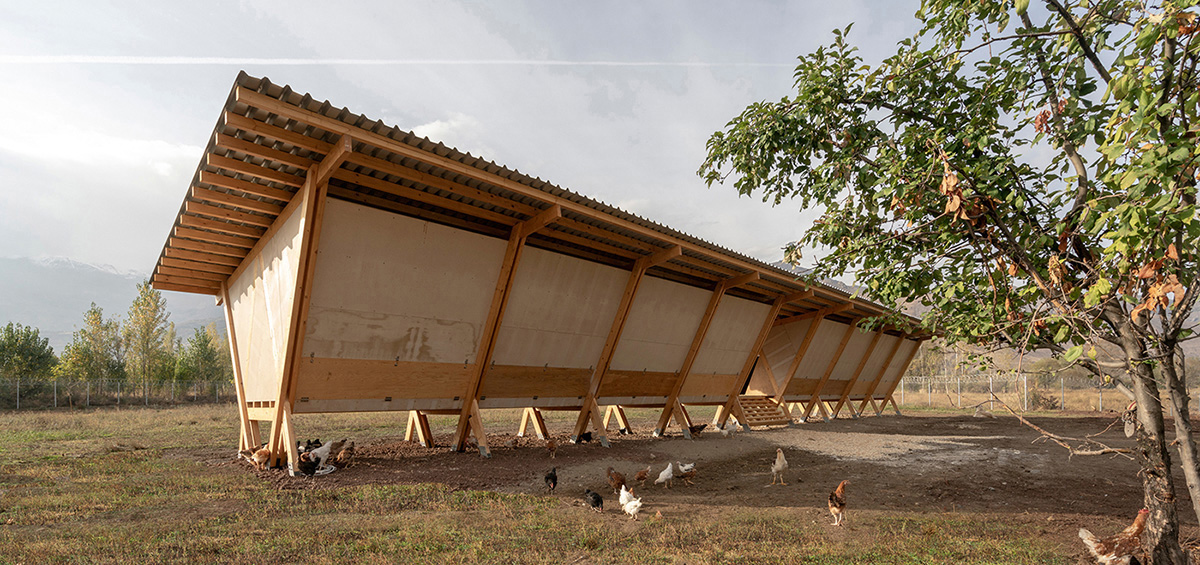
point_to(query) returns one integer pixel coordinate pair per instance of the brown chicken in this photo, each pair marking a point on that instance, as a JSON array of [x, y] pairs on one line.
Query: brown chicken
[[260, 457], [615, 479], [551, 446], [1118, 549], [687, 476], [344, 457], [837, 503], [642, 475]]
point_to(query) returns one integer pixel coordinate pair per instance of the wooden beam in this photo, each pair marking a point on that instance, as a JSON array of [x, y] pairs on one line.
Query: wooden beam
[[210, 237], [798, 296], [201, 257], [177, 272], [333, 161], [249, 428], [238, 202], [196, 266], [837, 356], [740, 280], [487, 339], [591, 409], [879, 377], [223, 227], [215, 249], [187, 281], [541, 220], [183, 288], [217, 179], [857, 371], [797, 359], [251, 148], [714, 301], [250, 169], [198, 208], [277, 133], [722, 414], [816, 314]]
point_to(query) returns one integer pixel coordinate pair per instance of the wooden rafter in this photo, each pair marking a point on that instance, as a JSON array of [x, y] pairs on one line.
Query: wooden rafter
[[258, 150], [214, 248], [250, 169], [211, 237], [247, 187], [837, 356], [824, 312], [234, 201], [201, 257], [223, 227], [226, 214], [591, 410], [196, 266], [177, 272]]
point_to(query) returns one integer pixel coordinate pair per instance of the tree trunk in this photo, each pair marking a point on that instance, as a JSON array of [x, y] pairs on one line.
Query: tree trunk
[[1161, 538], [1183, 427]]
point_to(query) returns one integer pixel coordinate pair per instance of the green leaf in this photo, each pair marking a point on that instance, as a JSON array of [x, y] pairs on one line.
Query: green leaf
[[1073, 353], [1022, 6]]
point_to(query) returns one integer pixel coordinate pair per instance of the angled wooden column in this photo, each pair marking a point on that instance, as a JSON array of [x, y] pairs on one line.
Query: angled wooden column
[[723, 412], [694, 350], [418, 422], [879, 377], [899, 376], [312, 209], [590, 410], [837, 356], [249, 429], [532, 416], [491, 327], [796, 360], [622, 421], [857, 371]]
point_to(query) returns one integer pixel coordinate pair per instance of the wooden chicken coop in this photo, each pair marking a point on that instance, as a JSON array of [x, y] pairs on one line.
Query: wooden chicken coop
[[362, 268]]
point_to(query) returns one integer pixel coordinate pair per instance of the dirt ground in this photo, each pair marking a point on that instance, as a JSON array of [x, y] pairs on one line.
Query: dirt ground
[[896, 465]]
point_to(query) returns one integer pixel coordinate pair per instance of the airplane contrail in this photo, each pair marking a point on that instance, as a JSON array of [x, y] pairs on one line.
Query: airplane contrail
[[242, 61]]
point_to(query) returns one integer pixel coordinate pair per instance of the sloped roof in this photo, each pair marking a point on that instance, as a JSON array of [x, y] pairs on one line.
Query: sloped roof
[[269, 137]]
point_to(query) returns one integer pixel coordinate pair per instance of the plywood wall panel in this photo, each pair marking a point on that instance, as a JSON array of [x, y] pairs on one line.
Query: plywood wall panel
[[559, 312], [778, 352], [730, 336], [874, 365], [897, 367], [389, 286], [817, 358], [261, 299], [661, 325]]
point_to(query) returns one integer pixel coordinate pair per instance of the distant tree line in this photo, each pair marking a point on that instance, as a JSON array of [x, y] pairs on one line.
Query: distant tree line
[[143, 349]]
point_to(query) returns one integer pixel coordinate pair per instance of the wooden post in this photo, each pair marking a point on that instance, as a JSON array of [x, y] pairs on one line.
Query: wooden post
[[724, 411], [857, 371], [837, 356], [879, 377], [672, 404], [468, 419], [249, 434], [903, 369], [590, 410], [622, 421]]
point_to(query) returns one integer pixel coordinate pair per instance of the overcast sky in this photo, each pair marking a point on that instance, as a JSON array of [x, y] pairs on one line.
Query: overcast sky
[[106, 106]]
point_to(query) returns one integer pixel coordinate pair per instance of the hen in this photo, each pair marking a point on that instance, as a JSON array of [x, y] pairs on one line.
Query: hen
[[615, 479], [686, 472], [778, 467], [642, 475], [1118, 549], [666, 476], [551, 446], [695, 430], [321, 454], [837, 503], [344, 457], [551, 479], [594, 500], [631, 506], [258, 457]]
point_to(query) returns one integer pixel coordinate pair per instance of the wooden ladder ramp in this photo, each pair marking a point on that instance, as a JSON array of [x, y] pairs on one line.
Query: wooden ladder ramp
[[762, 411]]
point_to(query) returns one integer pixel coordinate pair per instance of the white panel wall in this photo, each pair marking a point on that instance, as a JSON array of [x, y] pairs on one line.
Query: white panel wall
[[661, 325], [874, 365], [559, 312], [897, 367], [730, 336], [820, 352], [389, 286], [856, 348], [261, 299]]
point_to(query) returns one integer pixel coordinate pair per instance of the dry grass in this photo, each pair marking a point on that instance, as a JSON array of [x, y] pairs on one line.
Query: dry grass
[[67, 496]]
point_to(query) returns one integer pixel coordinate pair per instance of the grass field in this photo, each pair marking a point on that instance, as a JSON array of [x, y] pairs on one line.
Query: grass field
[[148, 485]]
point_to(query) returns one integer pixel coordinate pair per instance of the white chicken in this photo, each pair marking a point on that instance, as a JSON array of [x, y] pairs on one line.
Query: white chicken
[[685, 468], [626, 495], [778, 467], [633, 507], [666, 476]]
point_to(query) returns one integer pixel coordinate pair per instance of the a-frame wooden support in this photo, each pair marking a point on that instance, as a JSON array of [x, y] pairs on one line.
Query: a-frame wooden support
[[249, 436], [418, 423], [672, 405], [312, 209], [857, 371], [534, 416], [469, 418], [622, 421], [903, 367], [798, 358], [723, 413], [815, 400], [867, 398], [590, 412]]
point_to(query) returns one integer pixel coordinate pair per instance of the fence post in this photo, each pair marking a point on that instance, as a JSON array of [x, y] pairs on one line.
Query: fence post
[[1026, 379], [87, 399], [56, 392], [1062, 394], [929, 392], [146, 391], [217, 392], [901, 393], [991, 393], [960, 392], [118, 393], [1100, 390], [172, 391], [18, 393]]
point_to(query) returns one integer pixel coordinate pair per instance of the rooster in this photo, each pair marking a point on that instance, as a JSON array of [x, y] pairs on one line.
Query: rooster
[[1118, 549], [642, 475], [615, 479], [551, 479], [666, 476], [837, 503], [778, 467]]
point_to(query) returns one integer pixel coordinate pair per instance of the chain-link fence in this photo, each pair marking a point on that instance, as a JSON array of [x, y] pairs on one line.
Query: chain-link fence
[[1020, 392], [25, 394]]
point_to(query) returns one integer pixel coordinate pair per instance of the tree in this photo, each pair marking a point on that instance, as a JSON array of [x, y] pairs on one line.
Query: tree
[[1033, 184], [200, 359], [24, 353], [95, 350], [145, 334]]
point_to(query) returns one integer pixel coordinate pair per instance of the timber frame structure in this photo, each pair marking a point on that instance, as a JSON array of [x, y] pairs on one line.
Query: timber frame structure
[[362, 268]]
